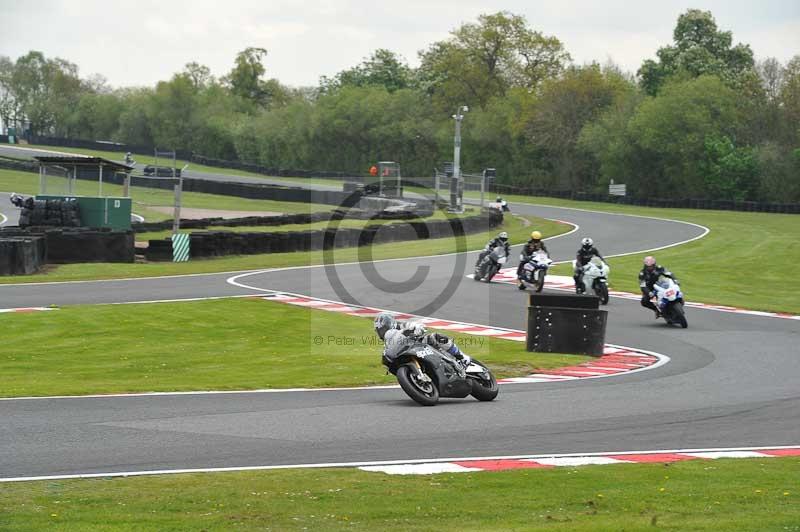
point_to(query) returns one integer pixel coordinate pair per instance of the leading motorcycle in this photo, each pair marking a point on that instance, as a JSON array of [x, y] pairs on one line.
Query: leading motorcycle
[[426, 374], [534, 270], [669, 300], [487, 267]]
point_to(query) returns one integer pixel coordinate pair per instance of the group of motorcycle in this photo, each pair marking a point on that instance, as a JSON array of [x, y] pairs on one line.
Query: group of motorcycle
[[426, 373], [666, 293]]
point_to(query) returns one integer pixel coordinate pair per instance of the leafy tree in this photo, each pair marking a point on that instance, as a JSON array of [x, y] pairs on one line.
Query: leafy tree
[[789, 101], [46, 90], [564, 107], [9, 106], [199, 74], [484, 60], [382, 69], [729, 172], [672, 131], [698, 48], [245, 80], [134, 124]]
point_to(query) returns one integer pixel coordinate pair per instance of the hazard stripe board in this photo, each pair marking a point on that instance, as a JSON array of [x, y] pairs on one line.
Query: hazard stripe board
[[180, 247]]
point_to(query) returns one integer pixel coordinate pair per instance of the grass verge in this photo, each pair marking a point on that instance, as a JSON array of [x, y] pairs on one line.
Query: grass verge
[[517, 228], [719, 495], [191, 346], [747, 259]]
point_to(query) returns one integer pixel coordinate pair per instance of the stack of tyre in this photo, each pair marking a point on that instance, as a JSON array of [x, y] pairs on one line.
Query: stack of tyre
[[50, 213]]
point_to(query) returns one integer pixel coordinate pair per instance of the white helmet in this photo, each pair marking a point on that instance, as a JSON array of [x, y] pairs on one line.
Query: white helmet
[[503, 236], [587, 242]]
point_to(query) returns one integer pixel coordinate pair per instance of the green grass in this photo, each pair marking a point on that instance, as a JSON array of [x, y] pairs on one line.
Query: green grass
[[720, 495], [747, 260], [516, 228], [28, 183], [191, 346]]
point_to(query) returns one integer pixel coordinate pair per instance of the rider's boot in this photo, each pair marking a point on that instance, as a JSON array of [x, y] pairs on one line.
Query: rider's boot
[[459, 355]]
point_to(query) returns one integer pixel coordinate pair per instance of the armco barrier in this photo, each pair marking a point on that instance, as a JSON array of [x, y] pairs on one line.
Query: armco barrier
[[220, 243]]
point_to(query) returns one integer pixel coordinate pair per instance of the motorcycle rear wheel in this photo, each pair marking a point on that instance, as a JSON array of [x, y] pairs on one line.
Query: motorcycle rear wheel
[[425, 394]]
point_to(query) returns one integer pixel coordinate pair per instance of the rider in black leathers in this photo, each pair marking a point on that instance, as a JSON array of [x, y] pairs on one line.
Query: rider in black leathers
[[395, 334], [500, 240], [584, 255], [648, 276]]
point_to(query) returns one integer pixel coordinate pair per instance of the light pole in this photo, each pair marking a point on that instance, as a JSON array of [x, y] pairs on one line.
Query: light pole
[[176, 216], [458, 117]]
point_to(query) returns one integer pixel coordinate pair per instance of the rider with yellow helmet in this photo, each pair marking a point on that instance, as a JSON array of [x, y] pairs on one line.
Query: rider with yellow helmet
[[532, 246]]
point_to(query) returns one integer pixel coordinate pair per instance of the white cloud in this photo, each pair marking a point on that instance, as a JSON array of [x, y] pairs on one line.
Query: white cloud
[[139, 43]]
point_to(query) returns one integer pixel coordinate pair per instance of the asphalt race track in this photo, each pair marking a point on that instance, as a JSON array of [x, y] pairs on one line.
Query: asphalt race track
[[732, 380]]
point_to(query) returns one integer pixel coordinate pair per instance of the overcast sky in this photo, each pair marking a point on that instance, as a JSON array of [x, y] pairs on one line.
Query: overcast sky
[[143, 41]]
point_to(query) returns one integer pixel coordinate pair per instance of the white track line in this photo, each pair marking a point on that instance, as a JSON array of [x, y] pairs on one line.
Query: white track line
[[3, 218], [383, 463]]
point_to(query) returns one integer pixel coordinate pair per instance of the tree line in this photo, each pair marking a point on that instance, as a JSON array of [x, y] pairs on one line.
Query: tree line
[[703, 119]]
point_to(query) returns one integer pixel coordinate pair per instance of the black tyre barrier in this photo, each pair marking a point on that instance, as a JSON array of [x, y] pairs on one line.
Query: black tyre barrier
[[281, 219], [22, 255], [50, 212], [74, 245], [221, 243], [564, 323]]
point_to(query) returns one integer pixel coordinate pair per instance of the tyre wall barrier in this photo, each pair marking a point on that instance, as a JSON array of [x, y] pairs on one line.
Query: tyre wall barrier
[[221, 243], [76, 245], [281, 219], [23, 255], [69, 246]]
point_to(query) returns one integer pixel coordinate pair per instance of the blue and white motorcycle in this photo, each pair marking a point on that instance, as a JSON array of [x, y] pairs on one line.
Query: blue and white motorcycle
[[669, 300], [535, 270]]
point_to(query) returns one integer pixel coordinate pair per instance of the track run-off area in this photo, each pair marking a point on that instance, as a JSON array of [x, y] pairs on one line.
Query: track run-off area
[[731, 380]]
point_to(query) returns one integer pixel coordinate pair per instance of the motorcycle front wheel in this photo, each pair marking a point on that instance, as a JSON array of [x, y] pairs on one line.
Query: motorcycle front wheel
[[484, 390], [424, 393], [680, 315], [540, 280], [602, 291], [490, 276]]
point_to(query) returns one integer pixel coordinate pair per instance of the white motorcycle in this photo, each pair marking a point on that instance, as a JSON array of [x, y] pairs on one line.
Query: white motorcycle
[[534, 271], [488, 267], [669, 300], [595, 277]]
